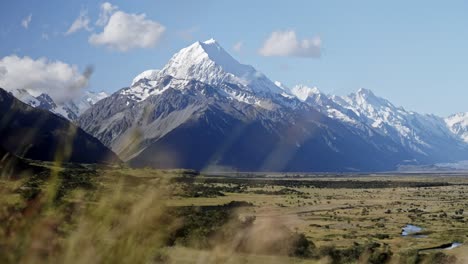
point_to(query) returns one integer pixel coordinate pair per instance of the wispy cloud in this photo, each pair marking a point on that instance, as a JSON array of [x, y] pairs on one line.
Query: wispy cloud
[[285, 43], [26, 21], [107, 9], [81, 22]]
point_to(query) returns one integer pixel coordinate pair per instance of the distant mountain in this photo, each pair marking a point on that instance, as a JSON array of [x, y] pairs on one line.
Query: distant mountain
[[69, 109], [458, 124], [205, 110], [24, 96], [40, 135], [426, 137]]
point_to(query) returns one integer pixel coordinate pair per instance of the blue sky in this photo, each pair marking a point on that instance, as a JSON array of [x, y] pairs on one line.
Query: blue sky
[[413, 53]]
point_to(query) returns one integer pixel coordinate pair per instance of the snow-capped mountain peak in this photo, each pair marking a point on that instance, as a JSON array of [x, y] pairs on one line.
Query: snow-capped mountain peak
[[365, 92], [366, 99], [69, 109], [210, 41], [208, 62], [458, 124], [303, 92], [94, 97], [363, 95], [73, 108], [148, 74], [208, 53], [24, 96], [414, 131], [378, 111]]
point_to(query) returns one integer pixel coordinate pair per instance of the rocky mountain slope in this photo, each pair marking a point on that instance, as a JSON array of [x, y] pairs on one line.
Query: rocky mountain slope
[[428, 137], [37, 134], [458, 124]]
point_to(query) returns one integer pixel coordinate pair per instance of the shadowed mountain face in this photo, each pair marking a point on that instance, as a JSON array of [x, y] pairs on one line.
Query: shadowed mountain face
[[215, 140], [40, 135], [194, 125], [10, 164]]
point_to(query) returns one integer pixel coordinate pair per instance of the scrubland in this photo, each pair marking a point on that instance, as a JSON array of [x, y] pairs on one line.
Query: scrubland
[[77, 213]]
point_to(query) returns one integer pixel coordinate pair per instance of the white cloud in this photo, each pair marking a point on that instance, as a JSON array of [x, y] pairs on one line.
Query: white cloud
[[45, 36], [285, 43], [238, 46], [127, 31], [26, 21], [58, 79], [81, 22], [107, 9]]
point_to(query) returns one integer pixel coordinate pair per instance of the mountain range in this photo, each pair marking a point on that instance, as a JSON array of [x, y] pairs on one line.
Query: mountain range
[[428, 138], [70, 109], [204, 110]]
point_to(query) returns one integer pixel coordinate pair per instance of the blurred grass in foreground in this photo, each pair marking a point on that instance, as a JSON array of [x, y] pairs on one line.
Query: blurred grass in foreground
[[73, 213]]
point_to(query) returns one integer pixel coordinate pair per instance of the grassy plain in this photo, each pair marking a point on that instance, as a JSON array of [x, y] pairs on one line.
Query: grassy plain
[[89, 214]]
